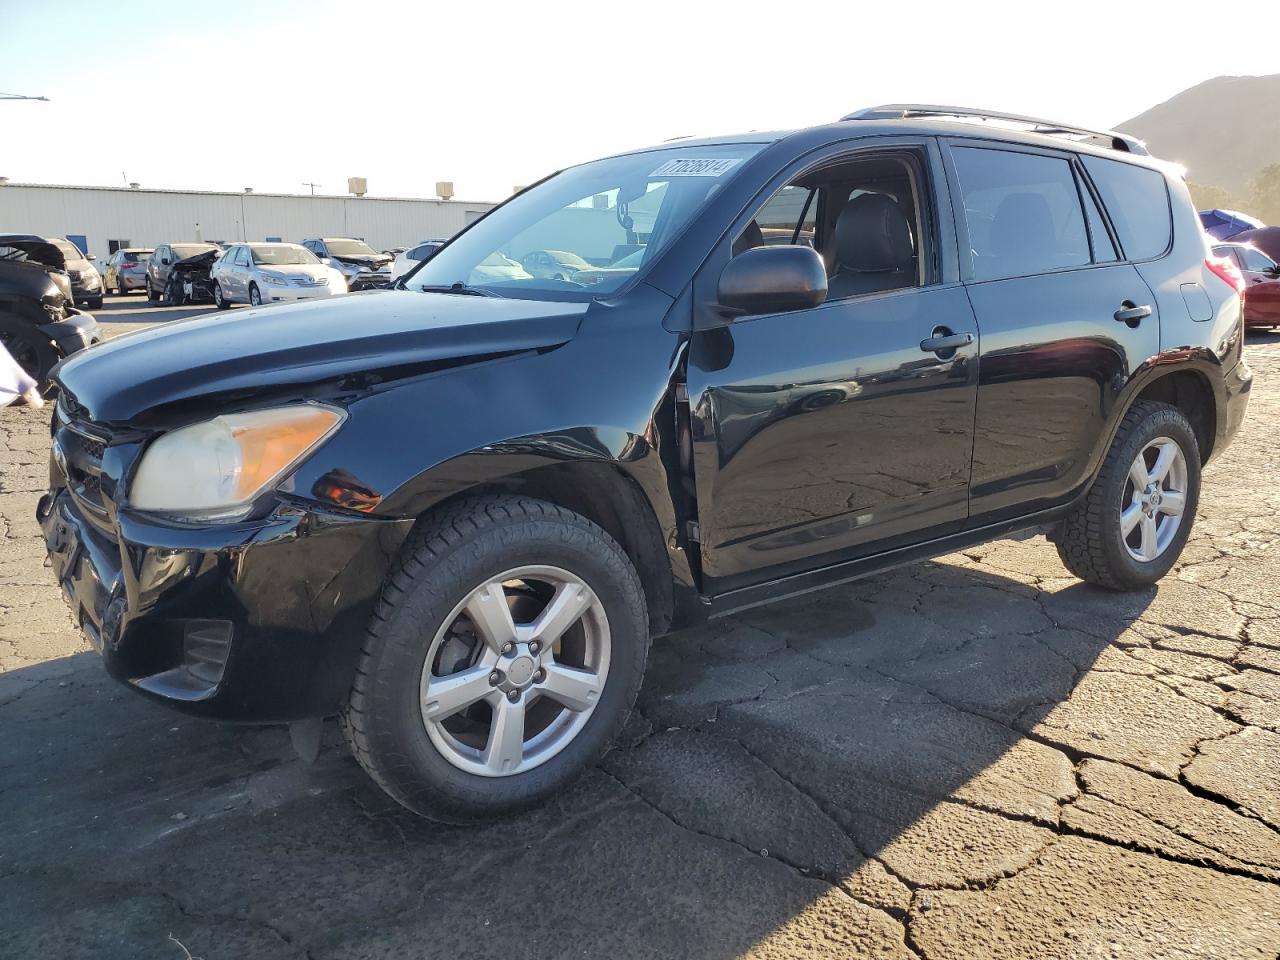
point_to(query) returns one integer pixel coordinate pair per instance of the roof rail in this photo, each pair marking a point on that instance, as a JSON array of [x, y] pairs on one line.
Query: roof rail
[[899, 111]]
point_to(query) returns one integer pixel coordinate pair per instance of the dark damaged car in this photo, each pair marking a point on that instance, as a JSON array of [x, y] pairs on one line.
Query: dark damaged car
[[190, 280], [455, 513], [39, 325]]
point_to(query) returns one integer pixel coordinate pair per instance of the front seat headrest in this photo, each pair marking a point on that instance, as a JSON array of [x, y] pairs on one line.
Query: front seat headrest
[[872, 235]]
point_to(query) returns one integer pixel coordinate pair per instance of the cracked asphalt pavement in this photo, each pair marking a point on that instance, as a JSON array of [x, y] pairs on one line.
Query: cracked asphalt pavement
[[977, 757]]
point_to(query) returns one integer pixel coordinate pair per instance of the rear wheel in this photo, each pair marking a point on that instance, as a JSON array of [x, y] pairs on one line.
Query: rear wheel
[[503, 659], [219, 300], [1135, 520]]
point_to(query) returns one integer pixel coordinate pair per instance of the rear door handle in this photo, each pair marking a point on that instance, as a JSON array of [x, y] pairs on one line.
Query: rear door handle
[[944, 341], [1131, 314]]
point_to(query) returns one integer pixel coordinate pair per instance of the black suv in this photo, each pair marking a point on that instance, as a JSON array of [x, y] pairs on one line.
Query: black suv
[[454, 513]]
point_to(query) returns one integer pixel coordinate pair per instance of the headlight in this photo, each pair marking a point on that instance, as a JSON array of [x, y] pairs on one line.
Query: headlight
[[214, 470], [275, 279]]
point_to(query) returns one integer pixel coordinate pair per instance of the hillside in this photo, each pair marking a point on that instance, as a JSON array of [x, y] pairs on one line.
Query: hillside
[[1224, 130]]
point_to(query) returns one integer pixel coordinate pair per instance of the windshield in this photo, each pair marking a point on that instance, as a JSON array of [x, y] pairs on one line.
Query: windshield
[[69, 250], [350, 248], [183, 250], [585, 218], [281, 254]]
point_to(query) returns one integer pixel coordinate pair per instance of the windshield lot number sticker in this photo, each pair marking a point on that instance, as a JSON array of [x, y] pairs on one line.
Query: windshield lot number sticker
[[701, 167]]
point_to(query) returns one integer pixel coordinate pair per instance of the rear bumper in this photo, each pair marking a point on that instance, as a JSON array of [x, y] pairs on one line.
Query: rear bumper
[[257, 622], [1238, 382], [132, 281]]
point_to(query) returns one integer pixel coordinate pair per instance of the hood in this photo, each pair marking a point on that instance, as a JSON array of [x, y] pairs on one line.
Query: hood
[[247, 350], [35, 249], [373, 262], [201, 261]]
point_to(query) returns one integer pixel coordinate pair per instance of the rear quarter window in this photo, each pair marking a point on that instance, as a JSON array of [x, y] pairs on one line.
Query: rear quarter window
[[1137, 199]]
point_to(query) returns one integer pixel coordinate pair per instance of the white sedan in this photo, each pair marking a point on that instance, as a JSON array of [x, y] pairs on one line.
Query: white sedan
[[258, 273], [406, 260]]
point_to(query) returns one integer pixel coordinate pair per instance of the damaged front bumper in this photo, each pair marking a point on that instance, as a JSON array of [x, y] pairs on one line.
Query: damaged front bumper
[[74, 332], [258, 621]]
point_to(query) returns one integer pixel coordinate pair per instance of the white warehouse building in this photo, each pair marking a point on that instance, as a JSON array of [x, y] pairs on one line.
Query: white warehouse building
[[100, 220]]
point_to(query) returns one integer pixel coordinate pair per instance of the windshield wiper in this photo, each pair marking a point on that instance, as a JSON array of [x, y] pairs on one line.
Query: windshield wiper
[[460, 288]]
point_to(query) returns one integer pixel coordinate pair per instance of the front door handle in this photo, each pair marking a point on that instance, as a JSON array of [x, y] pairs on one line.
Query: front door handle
[[944, 341], [1131, 314]]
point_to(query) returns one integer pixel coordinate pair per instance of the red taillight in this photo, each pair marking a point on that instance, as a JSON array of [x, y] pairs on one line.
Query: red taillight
[[1226, 268]]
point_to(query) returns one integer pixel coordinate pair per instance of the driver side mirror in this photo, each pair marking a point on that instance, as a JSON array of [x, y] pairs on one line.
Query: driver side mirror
[[773, 279], [325, 261]]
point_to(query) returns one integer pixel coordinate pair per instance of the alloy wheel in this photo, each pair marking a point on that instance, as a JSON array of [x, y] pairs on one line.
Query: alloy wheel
[[516, 671], [1154, 499]]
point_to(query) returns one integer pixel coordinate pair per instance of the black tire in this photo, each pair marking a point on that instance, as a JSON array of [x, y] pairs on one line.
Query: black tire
[[450, 555], [1089, 540], [219, 300], [174, 294], [152, 297], [34, 353], [95, 303], [255, 295]]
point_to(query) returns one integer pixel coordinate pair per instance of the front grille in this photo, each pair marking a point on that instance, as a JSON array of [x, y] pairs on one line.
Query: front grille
[[82, 446], [309, 282]]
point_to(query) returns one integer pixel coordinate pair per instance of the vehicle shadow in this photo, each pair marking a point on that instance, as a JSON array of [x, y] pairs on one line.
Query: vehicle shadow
[[820, 755], [134, 309]]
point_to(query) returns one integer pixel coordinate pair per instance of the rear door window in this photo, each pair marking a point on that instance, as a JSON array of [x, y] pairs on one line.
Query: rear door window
[[1137, 199], [1022, 211]]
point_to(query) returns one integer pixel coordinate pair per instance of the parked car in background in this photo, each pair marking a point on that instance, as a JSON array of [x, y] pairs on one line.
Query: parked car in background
[[162, 261], [39, 324], [258, 273], [363, 267], [619, 268], [553, 264], [86, 282], [127, 270], [497, 266], [406, 260], [1262, 283]]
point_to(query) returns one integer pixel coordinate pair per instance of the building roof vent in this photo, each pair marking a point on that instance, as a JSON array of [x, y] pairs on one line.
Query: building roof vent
[[357, 185], [444, 189]]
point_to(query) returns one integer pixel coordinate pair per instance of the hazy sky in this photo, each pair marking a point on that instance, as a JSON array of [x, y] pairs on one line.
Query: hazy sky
[[227, 94]]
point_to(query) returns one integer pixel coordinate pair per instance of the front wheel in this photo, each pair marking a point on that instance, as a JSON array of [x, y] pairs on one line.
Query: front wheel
[[503, 659], [1131, 527], [255, 296], [152, 297], [34, 353]]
